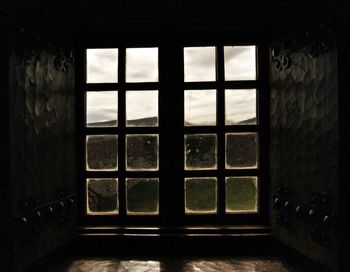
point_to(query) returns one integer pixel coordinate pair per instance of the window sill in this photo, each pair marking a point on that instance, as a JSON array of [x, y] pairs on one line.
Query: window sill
[[243, 230], [169, 241]]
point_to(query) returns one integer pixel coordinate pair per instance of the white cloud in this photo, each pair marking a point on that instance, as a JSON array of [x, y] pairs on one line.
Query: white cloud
[[102, 65], [200, 107], [199, 64], [240, 62], [240, 105], [141, 64], [102, 106], [141, 104]]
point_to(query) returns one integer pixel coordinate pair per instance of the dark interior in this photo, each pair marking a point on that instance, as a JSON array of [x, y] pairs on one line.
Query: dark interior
[[304, 123]]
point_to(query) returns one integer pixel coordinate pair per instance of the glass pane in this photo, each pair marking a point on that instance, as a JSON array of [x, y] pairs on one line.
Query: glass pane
[[102, 196], [142, 196], [142, 152], [142, 108], [200, 151], [200, 195], [241, 194], [199, 64], [240, 63], [102, 152], [102, 65], [141, 65], [240, 107], [200, 107], [241, 150], [102, 109]]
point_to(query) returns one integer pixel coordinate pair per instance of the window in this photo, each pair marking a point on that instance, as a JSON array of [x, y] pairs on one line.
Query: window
[[172, 134], [121, 130], [221, 136]]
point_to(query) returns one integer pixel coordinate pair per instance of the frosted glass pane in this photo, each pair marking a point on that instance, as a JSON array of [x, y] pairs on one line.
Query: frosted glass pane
[[102, 65], [102, 196], [141, 64], [200, 151], [241, 150], [240, 63], [142, 152], [200, 107], [199, 64], [241, 194], [142, 196], [142, 108], [102, 152], [240, 107], [102, 109], [200, 195]]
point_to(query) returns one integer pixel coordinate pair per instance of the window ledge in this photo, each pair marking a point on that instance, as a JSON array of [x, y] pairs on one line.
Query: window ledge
[[242, 230]]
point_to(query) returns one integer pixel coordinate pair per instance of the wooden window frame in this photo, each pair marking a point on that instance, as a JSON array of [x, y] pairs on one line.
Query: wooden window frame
[[171, 88]]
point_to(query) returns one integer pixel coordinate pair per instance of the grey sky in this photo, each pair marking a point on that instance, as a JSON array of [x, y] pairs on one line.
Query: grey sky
[[101, 106], [102, 65], [142, 66], [199, 64], [239, 62], [200, 107], [141, 104], [240, 105]]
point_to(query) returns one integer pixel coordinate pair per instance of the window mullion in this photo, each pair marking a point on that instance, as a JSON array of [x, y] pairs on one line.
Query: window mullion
[[121, 136], [263, 126], [171, 113], [80, 120], [221, 127]]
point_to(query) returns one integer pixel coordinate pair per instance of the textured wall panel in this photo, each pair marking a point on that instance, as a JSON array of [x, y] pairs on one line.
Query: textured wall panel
[[304, 141], [43, 151], [5, 188], [344, 152]]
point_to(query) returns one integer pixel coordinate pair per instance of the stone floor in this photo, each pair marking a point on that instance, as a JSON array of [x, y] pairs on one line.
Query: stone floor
[[175, 264], [202, 255], [205, 265]]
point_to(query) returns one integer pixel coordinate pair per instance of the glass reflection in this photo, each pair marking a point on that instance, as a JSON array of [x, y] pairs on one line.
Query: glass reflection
[[241, 150], [142, 152], [241, 194], [102, 152], [142, 196], [200, 195], [102, 196], [200, 151]]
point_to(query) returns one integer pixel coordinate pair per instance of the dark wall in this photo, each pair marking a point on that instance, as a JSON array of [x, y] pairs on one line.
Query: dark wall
[[5, 189], [41, 154], [344, 130], [304, 148], [41, 87]]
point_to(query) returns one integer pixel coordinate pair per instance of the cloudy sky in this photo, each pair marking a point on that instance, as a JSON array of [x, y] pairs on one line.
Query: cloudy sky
[[141, 66]]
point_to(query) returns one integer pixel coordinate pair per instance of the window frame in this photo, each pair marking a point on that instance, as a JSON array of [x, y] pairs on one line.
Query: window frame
[[170, 49]]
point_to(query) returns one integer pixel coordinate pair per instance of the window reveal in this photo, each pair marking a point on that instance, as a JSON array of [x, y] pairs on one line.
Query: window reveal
[[220, 131]]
